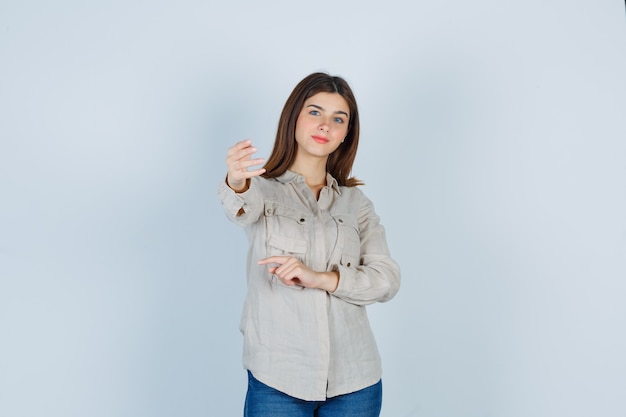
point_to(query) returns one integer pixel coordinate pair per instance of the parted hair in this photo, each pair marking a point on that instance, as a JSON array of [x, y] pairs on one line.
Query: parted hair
[[339, 163]]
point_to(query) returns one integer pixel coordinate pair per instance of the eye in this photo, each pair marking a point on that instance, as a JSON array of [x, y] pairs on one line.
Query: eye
[[314, 113], [339, 120]]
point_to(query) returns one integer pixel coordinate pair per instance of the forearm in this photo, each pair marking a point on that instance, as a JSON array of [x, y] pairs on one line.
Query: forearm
[[378, 281]]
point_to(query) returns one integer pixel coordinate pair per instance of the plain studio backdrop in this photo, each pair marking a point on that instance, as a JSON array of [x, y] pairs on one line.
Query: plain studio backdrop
[[493, 146]]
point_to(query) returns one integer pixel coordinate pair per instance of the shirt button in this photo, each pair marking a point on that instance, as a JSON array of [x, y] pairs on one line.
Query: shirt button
[[340, 220], [302, 220], [269, 211], [348, 264]]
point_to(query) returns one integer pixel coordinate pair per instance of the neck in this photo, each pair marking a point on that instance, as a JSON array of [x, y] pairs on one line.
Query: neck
[[313, 170]]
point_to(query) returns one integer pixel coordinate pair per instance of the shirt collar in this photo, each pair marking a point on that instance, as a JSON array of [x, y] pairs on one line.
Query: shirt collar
[[290, 176]]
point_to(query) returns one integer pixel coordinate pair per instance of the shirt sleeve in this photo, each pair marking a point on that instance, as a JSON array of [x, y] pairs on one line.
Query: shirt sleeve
[[242, 208], [377, 277]]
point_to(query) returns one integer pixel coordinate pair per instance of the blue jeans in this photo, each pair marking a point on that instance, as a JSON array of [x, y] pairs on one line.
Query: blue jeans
[[264, 401]]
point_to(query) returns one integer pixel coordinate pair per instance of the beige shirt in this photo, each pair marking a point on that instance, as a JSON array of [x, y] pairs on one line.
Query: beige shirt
[[306, 342]]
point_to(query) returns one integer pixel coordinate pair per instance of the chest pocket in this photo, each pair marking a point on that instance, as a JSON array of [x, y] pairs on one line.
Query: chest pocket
[[348, 238], [287, 230], [287, 235]]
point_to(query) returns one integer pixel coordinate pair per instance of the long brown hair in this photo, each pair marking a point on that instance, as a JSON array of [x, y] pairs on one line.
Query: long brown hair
[[339, 163]]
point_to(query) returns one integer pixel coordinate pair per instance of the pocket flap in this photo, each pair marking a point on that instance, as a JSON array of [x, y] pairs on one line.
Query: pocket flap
[[346, 220], [348, 261], [288, 244]]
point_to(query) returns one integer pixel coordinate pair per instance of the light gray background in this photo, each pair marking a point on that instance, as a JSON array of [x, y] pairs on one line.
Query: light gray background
[[493, 146]]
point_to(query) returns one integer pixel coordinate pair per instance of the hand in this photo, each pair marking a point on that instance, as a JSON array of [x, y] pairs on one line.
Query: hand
[[238, 160], [293, 272]]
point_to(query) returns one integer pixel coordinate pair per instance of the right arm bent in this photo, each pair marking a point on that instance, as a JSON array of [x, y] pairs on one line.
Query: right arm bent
[[238, 160], [242, 202]]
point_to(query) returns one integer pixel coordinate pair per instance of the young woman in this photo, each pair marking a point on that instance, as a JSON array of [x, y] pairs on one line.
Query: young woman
[[318, 255]]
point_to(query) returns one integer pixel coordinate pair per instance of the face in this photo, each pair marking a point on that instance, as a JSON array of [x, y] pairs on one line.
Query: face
[[322, 125]]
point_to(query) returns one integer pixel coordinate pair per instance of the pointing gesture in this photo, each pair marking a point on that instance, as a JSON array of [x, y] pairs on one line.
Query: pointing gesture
[[238, 160], [293, 272]]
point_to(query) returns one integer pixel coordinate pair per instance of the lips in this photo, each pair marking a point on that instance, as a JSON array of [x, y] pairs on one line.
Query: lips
[[320, 139]]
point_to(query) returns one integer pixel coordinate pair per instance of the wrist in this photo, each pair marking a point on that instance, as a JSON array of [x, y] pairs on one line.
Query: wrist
[[239, 187], [330, 281]]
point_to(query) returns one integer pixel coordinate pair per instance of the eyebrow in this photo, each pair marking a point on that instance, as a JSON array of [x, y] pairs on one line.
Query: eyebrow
[[321, 108]]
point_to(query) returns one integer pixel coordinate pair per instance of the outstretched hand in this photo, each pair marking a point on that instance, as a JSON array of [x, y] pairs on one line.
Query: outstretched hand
[[238, 160], [293, 272]]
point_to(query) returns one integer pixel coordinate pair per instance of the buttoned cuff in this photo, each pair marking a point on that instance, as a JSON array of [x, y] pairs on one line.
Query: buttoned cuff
[[347, 275], [233, 201]]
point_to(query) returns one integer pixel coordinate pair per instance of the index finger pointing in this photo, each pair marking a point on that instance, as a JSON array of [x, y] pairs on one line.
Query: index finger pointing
[[273, 259]]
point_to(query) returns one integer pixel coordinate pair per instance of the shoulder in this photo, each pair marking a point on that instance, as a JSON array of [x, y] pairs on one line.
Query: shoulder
[[354, 191], [265, 183], [272, 189], [354, 194], [354, 200]]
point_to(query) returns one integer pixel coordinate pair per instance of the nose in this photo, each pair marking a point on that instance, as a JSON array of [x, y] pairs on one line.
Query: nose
[[324, 127]]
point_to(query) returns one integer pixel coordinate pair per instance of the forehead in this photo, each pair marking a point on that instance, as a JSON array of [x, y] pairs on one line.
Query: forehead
[[331, 102]]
